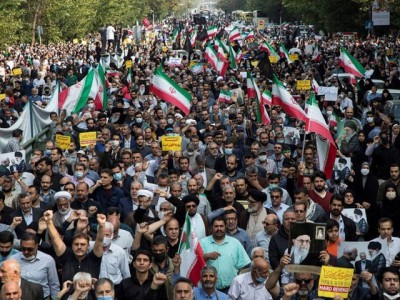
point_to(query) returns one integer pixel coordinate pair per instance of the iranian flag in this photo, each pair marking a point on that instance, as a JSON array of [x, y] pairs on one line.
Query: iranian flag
[[266, 98], [250, 35], [191, 253], [211, 56], [333, 120], [280, 96], [239, 56], [224, 96], [165, 88], [261, 112], [223, 63], [193, 38], [326, 147], [265, 46], [74, 98], [234, 34], [284, 53], [315, 85], [212, 31], [175, 35], [232, 58], [251, 86], [350, 64]]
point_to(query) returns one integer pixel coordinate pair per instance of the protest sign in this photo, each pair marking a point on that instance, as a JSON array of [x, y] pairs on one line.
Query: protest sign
[[63, 141], [334, 281], [87, 138], [303, 85], [171, 143]]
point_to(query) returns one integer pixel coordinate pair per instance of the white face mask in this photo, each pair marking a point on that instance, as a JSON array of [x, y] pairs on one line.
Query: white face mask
[[90, 105], [329, 112], [30, 258], [262, 158], [139, 120], [391, 297], [364, 172], [390, 195], [115, 144]]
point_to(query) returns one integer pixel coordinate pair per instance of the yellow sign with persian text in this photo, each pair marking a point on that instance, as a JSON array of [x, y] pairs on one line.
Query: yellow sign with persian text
[[171, 143]]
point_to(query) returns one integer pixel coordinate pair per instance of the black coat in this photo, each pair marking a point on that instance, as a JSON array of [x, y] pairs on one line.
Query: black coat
[[349, 226]]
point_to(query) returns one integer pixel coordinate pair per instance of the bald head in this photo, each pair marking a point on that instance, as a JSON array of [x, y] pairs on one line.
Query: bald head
[[260, 264], [11, 291]]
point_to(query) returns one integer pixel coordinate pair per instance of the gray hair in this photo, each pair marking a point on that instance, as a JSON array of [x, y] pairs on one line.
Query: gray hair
[[107, 225], [257, 249], [82, 276], [209, 269]]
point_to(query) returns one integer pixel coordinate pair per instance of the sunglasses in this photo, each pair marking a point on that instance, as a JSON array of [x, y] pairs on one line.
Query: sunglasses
[[300, 281]]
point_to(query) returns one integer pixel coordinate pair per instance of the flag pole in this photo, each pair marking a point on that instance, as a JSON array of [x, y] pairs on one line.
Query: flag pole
[[304, 145]]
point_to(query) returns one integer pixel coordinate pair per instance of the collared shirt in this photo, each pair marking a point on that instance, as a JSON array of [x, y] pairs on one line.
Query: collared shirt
[[4, 258], [232, 258], [262, 240], [114, 264], [41, 270], [28, 218], [242, 236], [49, 197], [124, 240], [200, 294], [279, 211], [342, 234], [389, 250], [243, 288]]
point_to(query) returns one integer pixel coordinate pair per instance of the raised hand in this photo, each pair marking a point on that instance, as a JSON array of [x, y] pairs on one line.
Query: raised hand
[[48, 215]]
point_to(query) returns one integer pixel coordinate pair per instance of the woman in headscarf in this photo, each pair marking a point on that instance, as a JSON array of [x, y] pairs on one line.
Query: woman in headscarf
[[391, 207]]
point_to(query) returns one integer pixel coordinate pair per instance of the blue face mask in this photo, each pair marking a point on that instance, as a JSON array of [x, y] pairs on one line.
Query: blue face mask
[[260, 279], [228, 151], [272, 185], [117, 176], [47, 152], [104, 298]]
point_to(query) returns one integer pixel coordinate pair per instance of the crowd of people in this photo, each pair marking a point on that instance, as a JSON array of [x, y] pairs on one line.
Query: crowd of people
[[104, 221]]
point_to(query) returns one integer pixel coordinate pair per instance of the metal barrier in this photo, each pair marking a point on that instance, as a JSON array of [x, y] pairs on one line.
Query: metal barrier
[[31, 144]]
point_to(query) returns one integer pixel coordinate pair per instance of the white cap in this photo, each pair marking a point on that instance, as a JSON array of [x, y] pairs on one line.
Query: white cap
[[145, 193], [62, 194]]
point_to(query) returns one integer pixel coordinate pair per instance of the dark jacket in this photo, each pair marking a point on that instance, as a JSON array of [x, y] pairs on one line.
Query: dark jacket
[[31, 291], [130, 288], [277, 247], [349, 226], [244, 217], [108, 198], [37, 213]]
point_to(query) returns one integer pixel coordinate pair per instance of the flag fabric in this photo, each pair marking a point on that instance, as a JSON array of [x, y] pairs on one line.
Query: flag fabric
[[232, 57], [234, 34], [251, 89], [239, 56], [193, 38], [266, 98], [224, 96], [333, 120], [175, 35], [284, 53], [197, 68], [191, 253], [350, 64], [261, 112], [104, 84], [168, 90], [326, 147], [280, 96], [250, 35], [212, 31], [222, 61], [145, 22], [315, 86], [75, 97], [265, 46], [211, 56]]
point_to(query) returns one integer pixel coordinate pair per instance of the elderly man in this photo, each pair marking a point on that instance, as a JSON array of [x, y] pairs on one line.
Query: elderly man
[[11, 291], [10, 271], [208, 282], [262, 239], [104, 289], [251, 285], [63, 202], [183, 289]]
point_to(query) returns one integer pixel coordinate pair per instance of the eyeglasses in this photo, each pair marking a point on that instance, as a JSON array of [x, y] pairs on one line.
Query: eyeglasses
[[299, 211], [300, 281], [27, 249], [275, 197]]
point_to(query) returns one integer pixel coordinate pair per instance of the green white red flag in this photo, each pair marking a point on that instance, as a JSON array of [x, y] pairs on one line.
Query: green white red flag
[[168, 90], [251, 86], [280, 96], [224, 96], [266, 98], [326, 147], [350, 64], [261, 112], [265, 46], [212, 31], [234, 34], [193, 38], [211, 56], [284, 53], [75, 97], [175, 35], [191, 253]]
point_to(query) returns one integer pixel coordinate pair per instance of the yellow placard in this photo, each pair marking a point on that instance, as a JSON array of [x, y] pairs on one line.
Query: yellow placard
[[84, 43], [2, 97], [303, 85], [171, 143], [87, 138], [16, 72], [273, 59], [255, 63], [128, 64], [294, 57], [334, 281], [63, 141], [164, 49], [75, 41]]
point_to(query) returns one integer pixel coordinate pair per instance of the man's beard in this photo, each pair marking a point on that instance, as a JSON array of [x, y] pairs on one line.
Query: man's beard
[[374, 255], [298, 254]]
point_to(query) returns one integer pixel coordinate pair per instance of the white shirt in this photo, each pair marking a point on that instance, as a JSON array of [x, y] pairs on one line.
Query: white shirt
[[389, 250], [279, 212], [124, 240], [244, 288]]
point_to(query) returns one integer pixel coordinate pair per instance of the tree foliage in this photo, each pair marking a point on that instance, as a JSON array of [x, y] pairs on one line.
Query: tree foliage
[[68, 19]]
